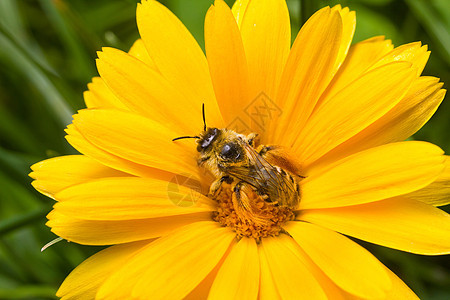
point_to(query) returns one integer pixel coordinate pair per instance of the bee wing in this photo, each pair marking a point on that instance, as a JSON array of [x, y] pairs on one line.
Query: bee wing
[[282, 158], [265, 177]]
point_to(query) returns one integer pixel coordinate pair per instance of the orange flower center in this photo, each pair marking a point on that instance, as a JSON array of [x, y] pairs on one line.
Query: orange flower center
[[267, 222]]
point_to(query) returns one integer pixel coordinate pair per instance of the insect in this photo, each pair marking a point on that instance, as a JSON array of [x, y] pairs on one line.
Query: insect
[[236, 159]]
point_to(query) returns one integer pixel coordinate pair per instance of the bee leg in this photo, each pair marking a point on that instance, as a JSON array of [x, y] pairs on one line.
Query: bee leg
[[202, 160], [240, 189], [237, 190], [216, 185], [263, 149], [283, 231], [267, 199], [252, 139], [242, 203], [240, 199]]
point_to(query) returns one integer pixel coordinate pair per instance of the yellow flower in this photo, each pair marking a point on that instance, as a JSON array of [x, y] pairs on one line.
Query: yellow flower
[[342, 112]]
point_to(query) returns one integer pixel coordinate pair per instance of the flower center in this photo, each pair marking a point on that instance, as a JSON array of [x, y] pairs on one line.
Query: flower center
[[267, 222]]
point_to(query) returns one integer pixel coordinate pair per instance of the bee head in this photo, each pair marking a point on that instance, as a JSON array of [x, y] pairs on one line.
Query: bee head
[[207, 138], [222, 144]]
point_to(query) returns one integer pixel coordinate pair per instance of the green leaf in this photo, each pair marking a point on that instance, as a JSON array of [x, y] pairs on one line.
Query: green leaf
[[436, 27], [370, 24], [13, 25], [19, 221], [11, 54], [14, 132], [84, 66], [29, 292]]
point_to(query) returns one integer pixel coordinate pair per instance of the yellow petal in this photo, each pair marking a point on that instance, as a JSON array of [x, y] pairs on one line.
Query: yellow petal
[[80, 143], [177, 56], [309, 69], [348, 29], [146, 92], [374, 174], [201, 291], [137, 139], [438, 192], [266, 35], [360, 57], [269, 291], [398, 124], [238, 278], [267, 288], [129, 199], [399, 289], [94, 232], [238, 10], [353, 109], [371, 54], [99, 95], [331, 290], [172, 266], [346, 263], [227, 62], [83, 282], [139, 51], [283, 263], [397, 223], [412, 52], [55, 174]]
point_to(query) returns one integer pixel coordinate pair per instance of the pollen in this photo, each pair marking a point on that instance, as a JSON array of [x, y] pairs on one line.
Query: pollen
[[268, 221]]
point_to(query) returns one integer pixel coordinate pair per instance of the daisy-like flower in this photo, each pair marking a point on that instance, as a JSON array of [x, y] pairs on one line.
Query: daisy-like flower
[[340, 114]]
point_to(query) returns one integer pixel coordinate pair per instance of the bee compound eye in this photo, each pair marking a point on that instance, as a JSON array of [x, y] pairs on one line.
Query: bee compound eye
[[230, 151]]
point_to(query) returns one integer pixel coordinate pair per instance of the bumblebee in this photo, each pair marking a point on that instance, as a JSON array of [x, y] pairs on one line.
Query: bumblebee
[[236, 159]]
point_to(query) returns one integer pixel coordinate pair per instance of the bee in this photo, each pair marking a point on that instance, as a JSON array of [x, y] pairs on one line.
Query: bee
[[236, 159]]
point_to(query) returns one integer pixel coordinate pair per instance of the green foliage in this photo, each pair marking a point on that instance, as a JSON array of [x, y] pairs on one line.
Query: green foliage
[[47, 56]]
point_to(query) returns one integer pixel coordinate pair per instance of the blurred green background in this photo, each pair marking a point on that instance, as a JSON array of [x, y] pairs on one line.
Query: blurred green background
[[47, 53]]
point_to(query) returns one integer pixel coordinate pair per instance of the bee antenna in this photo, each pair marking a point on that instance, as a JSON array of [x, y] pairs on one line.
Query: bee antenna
[[204, 118], [185, 137]]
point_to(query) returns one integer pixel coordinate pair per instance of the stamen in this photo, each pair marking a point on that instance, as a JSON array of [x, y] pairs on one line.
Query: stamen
[[51, 243]]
